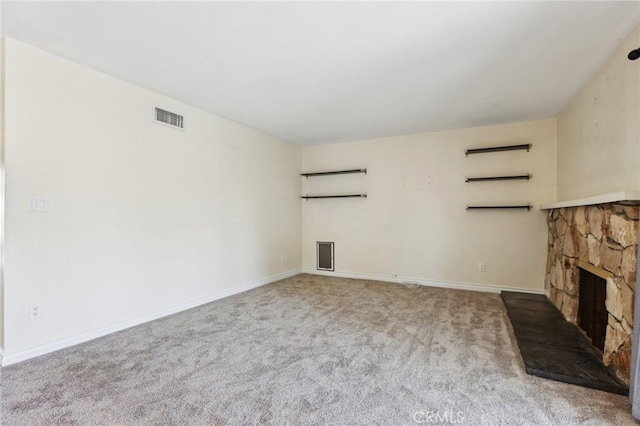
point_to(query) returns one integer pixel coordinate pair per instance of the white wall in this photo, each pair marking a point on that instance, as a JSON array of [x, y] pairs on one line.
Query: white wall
[[414, 225], [599, 131], [143, 219]]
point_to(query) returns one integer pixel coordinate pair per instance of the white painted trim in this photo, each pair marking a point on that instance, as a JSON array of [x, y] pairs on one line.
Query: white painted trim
[[13, 358], [486, 288], [611, 197]]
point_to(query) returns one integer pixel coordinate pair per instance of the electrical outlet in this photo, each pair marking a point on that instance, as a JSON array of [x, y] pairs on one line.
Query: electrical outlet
[[38, 205], [34, 311], [482, 267], [282, 258]]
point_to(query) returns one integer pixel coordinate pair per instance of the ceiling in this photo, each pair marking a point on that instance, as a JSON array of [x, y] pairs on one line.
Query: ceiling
[[313, 73]]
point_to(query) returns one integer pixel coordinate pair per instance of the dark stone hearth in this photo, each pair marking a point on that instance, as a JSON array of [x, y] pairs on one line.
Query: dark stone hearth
[[534, 305], [553, 348], [537, 332]]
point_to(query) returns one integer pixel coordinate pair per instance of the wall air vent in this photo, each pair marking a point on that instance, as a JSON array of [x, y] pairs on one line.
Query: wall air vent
[[168, 118]]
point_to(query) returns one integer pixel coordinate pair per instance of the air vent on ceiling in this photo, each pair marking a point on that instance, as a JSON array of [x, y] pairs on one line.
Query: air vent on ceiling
[[169, 118]]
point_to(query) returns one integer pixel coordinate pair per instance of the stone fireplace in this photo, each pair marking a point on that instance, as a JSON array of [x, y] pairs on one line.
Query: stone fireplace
[[601, 238]]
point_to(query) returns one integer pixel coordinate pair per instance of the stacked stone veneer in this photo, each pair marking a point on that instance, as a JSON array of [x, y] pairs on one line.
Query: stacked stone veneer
[[606, 236]]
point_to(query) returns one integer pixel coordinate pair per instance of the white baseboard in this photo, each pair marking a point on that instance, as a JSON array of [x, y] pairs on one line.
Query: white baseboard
[[12, 358], [486, 288]]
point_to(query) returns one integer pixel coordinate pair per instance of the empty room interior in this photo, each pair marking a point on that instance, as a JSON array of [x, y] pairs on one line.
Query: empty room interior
[[319, 212]]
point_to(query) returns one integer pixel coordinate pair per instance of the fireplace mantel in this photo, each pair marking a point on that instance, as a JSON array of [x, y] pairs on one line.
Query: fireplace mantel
[[612, 197]]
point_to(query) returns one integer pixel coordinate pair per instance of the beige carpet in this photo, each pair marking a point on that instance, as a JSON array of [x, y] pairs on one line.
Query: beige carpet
[[306, 350]]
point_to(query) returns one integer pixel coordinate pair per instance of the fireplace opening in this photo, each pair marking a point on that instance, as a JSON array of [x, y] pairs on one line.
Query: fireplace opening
[[592, 312]]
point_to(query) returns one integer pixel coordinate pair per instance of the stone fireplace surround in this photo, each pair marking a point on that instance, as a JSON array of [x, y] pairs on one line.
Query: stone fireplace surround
[[603, 236]]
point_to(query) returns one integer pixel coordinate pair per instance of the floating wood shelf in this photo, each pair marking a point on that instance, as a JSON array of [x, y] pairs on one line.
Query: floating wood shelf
[[493, 178], [338, 172], [335, 196], [526, 146], [508, 207]]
